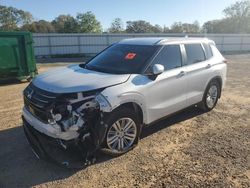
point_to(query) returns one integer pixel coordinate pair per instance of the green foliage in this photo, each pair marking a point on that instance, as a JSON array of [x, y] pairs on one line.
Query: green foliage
[[237, 20], [157, 28], [11, 18], [88, 23], [141, 26], [176, 27], [40, 26], [116, 26], [179, 27], [65, 24], [165, 29], [240, 9]]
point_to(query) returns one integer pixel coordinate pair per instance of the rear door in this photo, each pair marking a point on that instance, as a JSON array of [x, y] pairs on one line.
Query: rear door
[[198, 68]]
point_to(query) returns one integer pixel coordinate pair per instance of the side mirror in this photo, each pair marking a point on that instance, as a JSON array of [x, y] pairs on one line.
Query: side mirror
[[157, 69]]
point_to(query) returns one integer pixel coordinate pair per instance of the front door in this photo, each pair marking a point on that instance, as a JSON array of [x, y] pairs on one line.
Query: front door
[[167, 93]]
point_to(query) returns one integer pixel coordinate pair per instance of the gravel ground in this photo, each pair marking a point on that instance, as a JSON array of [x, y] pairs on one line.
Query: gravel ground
[[189, 149]]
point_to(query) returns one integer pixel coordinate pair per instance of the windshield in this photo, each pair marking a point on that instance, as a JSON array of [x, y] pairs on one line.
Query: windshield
[[122, 59]]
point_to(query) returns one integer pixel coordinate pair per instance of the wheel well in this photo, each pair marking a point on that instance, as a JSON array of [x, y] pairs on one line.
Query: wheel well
[[135, 107], [219, 80]]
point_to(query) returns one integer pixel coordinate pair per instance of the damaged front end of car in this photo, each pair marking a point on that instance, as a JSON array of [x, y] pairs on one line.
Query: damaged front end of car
[[65, 128]]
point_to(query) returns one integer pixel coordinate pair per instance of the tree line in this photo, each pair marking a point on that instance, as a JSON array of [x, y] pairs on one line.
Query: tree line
[[236, 20]]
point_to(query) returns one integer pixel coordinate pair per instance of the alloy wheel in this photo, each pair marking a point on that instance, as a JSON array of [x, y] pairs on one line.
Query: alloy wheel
[[121, 135], [212, 96]]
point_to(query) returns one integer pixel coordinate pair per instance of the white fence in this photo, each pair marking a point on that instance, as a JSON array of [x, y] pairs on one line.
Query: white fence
[[54, 44]]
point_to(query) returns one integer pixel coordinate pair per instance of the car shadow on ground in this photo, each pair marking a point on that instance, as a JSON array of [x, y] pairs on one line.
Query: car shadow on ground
[[183, 115], [12, 82], [20, 168]]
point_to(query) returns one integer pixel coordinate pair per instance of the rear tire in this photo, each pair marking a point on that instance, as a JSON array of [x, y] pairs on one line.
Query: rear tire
[[211, 96], [123, 132]]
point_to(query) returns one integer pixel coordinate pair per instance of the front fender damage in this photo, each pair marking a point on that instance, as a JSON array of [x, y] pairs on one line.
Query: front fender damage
[[75, 133]]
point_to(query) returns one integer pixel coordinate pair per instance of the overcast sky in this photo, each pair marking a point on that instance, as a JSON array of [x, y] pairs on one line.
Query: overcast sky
[[162, 12]]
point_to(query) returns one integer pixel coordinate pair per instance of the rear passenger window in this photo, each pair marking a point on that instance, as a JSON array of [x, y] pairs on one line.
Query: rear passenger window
[[169, 57], [195, 53], [208, 50]]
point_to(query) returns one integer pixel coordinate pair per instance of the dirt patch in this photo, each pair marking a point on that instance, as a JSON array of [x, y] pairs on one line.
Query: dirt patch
[[190, 149]]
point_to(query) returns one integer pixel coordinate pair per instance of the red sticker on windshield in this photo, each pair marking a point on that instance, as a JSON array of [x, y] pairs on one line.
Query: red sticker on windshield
[[130, 56]]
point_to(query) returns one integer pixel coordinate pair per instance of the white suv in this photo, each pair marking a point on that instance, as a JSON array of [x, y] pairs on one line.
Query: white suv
[[104, 103]]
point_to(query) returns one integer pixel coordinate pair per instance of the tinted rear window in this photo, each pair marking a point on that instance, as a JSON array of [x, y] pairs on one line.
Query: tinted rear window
[[123, 59], [208, 50], [195, 53], [169, 57]]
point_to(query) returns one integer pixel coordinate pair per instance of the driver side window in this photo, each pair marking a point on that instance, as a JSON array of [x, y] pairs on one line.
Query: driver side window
[[169, 57]]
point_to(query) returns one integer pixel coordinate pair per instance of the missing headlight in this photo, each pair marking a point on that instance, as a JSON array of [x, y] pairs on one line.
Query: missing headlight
[[103, 103]]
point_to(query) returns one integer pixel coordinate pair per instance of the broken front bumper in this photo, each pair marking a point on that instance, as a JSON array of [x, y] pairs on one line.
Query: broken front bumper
[[71, 153], [47, 129]]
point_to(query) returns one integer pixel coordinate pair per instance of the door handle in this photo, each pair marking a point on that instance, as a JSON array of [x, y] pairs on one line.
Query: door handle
[[208, 66], [182, 73]]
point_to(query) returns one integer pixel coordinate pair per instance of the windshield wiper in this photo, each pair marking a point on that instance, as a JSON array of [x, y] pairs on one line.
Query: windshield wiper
[[92, 68], [85, 66]]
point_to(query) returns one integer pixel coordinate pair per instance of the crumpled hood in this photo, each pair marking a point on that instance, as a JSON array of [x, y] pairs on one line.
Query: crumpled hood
[[73, 78]]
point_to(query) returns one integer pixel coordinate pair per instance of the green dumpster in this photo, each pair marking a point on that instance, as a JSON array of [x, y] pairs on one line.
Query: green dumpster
[[17, 58]]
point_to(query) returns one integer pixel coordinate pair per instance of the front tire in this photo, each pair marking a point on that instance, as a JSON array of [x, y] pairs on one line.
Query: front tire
[[211, 96], [122, 133]]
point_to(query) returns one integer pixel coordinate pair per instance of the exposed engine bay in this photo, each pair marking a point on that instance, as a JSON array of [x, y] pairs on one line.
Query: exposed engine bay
[[73, 115], [70, 120]]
